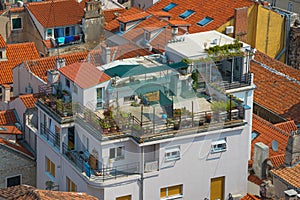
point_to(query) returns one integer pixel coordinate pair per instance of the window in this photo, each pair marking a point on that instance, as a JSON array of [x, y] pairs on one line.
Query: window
[[67, 83], [71, 186], [127, 197], [67, 31], [117, 153], [205, 21], [169, 7], [147, 35], [13, 180], [16, 23], [122, 27], [50, 167], [171, 192], [186, 14], [100, 97], [75, 89], [219, 146], [172, 154], [254, 134], [290, 6], [49, 32], [59, 32]]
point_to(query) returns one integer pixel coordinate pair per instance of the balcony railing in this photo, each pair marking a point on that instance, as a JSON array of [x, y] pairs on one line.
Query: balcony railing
[[151, 166], [50, 136], [101, 174]]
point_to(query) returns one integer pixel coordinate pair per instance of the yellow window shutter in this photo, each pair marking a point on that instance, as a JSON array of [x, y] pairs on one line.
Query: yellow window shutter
[[174, 190], [163, 192]]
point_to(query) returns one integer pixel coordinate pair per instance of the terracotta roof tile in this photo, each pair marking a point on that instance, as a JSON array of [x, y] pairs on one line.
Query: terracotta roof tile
[[254, 179], [179, 23], [114, 24], [16, 54], [277, 160], [112, 14], [291, 175], [267, 132], [25, 192], [48, 44], [220, 11], [2, 42], [11, 130], [15, 146], [274, 91], [250, 197], [161, 13], [84, 74], [133, 17], [17, 9], [40, 66], [28, 100], [8, 117], [56, 13], [287, 126]]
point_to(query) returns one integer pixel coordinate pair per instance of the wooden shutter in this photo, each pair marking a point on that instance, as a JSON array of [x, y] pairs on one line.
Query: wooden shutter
[[217, 188], [128, 197], [174, 190]]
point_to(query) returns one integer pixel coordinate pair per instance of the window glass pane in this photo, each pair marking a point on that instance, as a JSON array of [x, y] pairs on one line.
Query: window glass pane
[[14, 181], [99, 93], [174, 190], [16, 23], [68, 184], [112, 153], [67, 31], [169, 7], [72, 30], [59, 32], [49, 32], [186, 14], [205, 21], [163, 192], [52, 169], [119, 151], [48, 165]]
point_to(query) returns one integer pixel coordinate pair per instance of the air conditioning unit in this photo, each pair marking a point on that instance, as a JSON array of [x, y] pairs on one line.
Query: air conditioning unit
[[229, 29], [28, 89]]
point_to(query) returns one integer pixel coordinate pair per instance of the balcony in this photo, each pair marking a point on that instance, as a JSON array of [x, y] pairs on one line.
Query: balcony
[[82, 161], [51, 137], [58, 106]]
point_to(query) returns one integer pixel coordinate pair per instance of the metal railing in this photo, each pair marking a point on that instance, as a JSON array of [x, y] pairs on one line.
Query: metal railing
[[50, 136], [101, 174]]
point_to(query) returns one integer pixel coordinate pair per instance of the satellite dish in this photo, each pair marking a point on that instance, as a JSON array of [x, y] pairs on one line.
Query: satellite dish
[[274, 145]]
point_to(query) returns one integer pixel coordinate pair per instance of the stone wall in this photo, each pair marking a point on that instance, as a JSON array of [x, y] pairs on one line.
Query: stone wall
[[14, 163], [294, 50]]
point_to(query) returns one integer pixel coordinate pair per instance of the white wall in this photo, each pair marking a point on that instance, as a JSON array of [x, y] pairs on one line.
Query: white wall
[[90, 95]]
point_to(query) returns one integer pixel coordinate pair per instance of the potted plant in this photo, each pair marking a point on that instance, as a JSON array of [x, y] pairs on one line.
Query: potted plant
[[207, 118], [176, 125], [105, 126]]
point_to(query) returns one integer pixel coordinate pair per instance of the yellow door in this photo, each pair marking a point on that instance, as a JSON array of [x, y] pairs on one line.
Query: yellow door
[[128, 197], [217, 188]]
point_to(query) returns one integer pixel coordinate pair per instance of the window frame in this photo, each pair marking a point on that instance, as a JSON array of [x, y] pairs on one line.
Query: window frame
[[167, 197], [113, 153], [99, 100], [12, 24], [8, 177], [68, 83], [71, 186], [219, 146], [50, 167], [172, 156]]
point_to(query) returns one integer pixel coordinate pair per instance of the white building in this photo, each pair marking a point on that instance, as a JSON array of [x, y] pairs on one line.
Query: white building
[[135, 129]]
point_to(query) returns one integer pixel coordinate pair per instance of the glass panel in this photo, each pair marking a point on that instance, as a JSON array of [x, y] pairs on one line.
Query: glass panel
[[13, 181], [48, 165], [163, 192], [112, 153], [186, 14], [169, 7], [119, 151], [16, 23], [67, 31], [72, 30], [174, 190], [59, 32], [205, 21], [49, 32], [52, 169], [99, 93]]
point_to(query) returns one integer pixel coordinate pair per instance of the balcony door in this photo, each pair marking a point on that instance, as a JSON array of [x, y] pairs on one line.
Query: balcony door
[[217, 188], [71, 137]]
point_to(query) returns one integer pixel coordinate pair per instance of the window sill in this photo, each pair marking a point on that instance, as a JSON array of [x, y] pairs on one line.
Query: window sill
[[173, 197], [218, 151], [171, 159], [52, 178]]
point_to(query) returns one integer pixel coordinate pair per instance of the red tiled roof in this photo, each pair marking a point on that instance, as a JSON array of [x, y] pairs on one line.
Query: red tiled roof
[[267, 132], [28, 100], [56, 13], [290, 175], [48, 44], [16, 54], [287, 126], [113, 25], [16, 146], [8, 117], [12, 130], [40, 66], [254, 179], [133, 17], [220, 11], [249, 197], [25, 192], [112, 14], [274, 91], [179, 23], [84, 74], [277, 160], [2, 42], [17, 9], [161, 13]]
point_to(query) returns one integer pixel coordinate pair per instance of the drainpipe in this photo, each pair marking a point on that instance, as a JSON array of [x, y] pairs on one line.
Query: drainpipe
[[287, 33], [142, 174]]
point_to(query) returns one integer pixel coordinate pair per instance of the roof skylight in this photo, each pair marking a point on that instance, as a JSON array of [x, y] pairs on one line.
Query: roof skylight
[[254, 134], [205, 21], [186, 14], [169, 7]]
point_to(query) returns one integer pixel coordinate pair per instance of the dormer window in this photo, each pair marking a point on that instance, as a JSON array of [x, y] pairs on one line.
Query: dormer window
[[16, 23], [122, 27], [147, 35]]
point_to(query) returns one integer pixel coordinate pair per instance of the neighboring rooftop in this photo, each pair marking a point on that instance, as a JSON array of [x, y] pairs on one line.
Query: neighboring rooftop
[[28, 100], [278, 86], [8, 117], [56, 13], [27, 192], [16, 147], [250, 197], [112, 14], [289, 175], [84, 74], [193, 11], [15, 54], [10, 130]]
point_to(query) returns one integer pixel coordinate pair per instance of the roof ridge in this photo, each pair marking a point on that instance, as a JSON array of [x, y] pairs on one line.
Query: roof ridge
[[270, 125]]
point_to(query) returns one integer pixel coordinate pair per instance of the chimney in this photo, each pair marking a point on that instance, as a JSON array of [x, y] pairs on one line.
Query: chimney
[[292, 154], [5, 93], [261, 153], [52, 76], [60, 62], [290, 195], [174, 32], [241, 23], [106, 53]]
